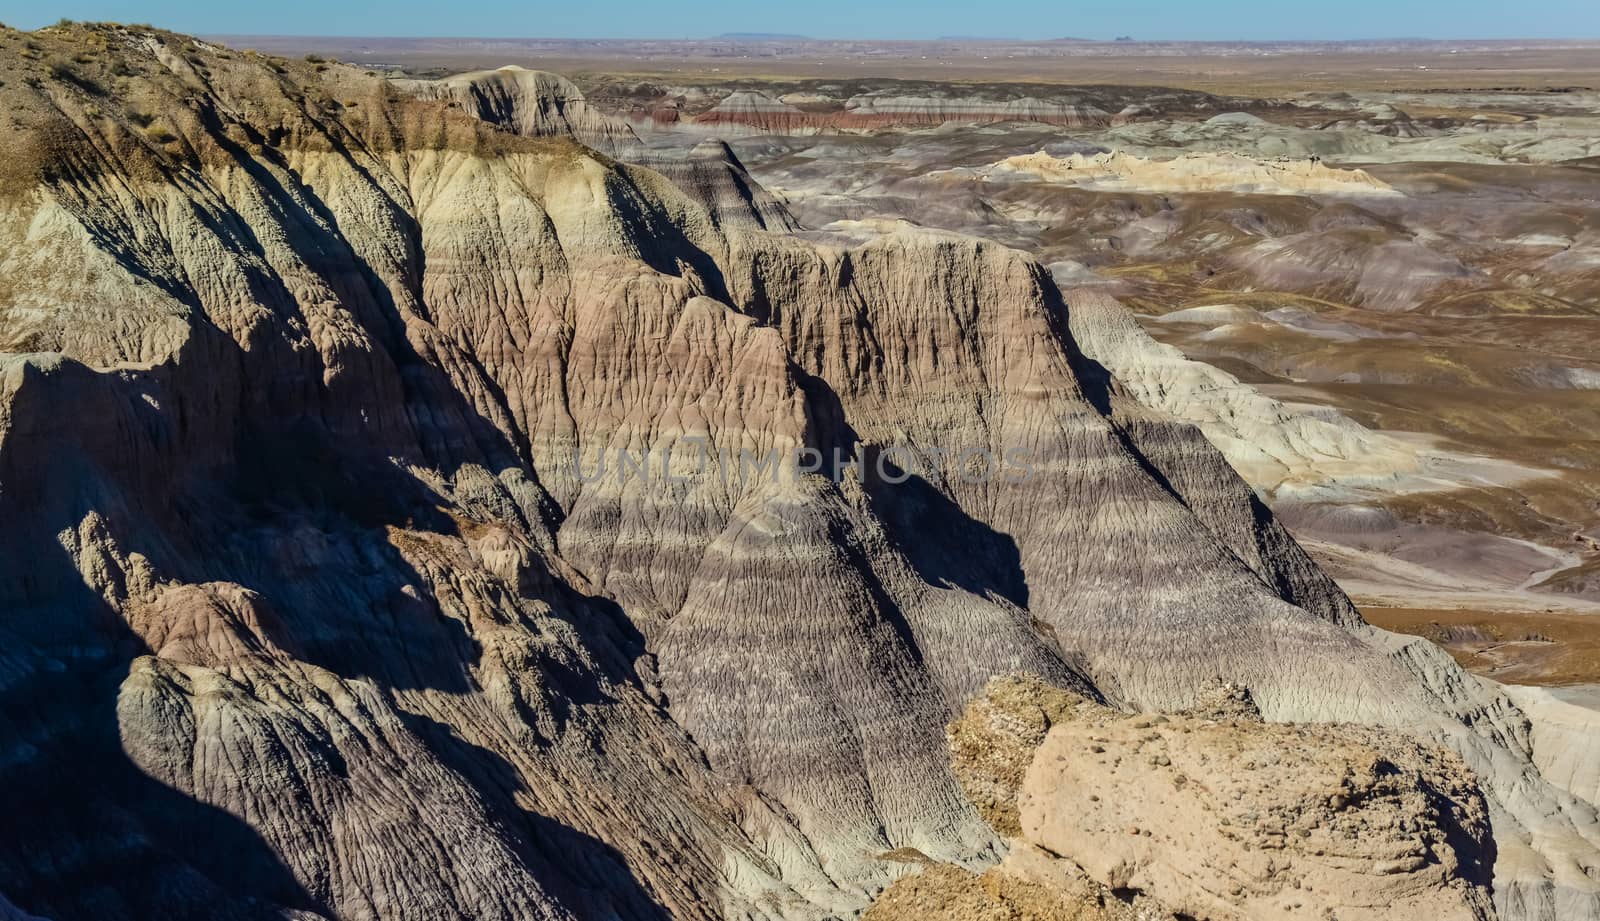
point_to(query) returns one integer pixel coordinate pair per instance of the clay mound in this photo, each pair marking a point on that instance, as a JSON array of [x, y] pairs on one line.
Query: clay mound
[[713, 175], [1352, 266], [1381, 119], [1131, 113]]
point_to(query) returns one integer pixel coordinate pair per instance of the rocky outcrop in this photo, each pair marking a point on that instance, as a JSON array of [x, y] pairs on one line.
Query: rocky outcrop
[[386, 547], [1028, 885], [1256, 820], [1208, 814]]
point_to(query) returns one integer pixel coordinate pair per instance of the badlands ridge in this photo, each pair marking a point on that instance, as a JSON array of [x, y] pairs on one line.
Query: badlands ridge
[[310, 609]]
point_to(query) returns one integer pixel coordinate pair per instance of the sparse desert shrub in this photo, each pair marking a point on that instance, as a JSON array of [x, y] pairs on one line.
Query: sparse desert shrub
[[66, 73], [160, 135]]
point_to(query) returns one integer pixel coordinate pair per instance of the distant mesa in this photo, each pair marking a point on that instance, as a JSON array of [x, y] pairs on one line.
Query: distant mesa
[[763, 37]]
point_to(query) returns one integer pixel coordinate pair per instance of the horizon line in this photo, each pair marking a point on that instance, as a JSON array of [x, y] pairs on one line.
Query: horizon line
[[775, 37]]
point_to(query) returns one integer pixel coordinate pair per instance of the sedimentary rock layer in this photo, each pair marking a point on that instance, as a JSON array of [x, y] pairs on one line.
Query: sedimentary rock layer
[[371, 548]]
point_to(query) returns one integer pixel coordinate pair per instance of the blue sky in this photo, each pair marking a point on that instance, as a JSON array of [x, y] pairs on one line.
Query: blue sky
[[1029, 19]]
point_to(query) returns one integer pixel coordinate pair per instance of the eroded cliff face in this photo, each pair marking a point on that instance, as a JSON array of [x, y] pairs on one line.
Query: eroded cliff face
[[316, 597]]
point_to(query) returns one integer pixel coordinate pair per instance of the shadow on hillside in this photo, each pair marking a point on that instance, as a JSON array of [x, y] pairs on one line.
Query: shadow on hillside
[[945, 545], [581, 871], [88, 834]]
